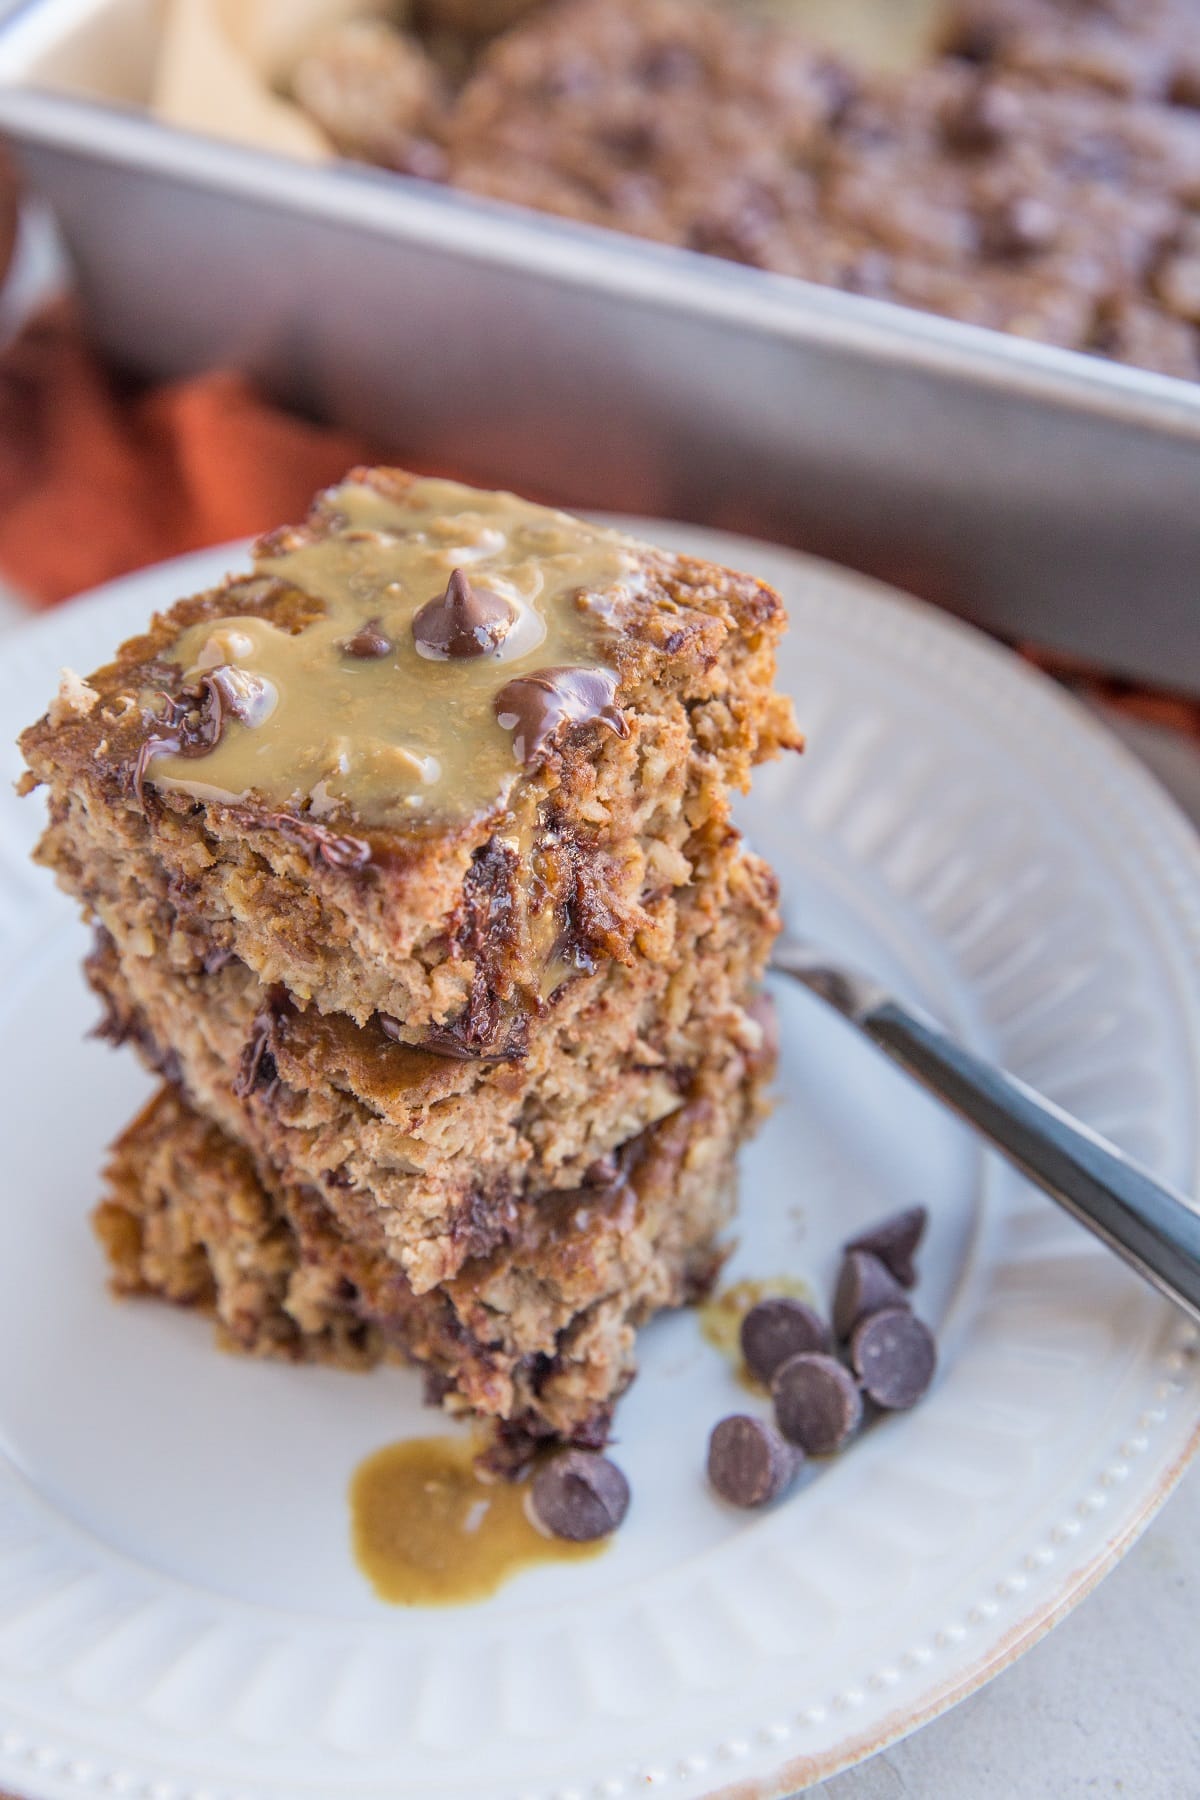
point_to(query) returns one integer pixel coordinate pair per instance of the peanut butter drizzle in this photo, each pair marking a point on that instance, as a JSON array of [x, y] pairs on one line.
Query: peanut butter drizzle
[[428, 1532], [398, 738]]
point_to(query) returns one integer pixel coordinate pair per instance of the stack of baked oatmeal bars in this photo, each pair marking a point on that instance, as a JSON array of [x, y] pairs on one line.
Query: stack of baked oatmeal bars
[[411, 867]]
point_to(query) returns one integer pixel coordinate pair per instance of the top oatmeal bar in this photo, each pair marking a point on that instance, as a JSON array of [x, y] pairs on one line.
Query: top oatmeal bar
[[440, 750]]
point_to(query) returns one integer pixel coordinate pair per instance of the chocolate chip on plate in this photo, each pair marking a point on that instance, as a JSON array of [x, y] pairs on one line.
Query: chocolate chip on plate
[[895, 1241], [369, 642], [749, 1463], [579, 1495], [465, 621], [778, 1328], [866, 1285], [894, 1356], [817, 1403]]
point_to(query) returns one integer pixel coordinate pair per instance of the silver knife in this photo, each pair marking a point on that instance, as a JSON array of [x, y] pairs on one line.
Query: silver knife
[[1150, 1226]]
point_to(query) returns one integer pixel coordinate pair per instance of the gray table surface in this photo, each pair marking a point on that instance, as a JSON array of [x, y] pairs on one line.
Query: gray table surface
[[1107, 1705]]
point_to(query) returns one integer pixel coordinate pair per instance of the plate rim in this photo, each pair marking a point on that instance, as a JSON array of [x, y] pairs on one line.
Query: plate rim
[[800, 1771]]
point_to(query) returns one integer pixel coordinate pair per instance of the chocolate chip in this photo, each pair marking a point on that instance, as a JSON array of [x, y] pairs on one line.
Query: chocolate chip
[[1018, 226], [189, 724], [240, 693], [319, 843], [895, 1357], [749, 1463], [974, 41], [736, 231], [1183, 88], [865, 1286], [778, 1328], [980, 118], [368, 642], [635, 139], [458, 1041], [895, 1241], [668, 64], [817, 1404], [256, 1066], [579, 1495], [535, 708], [839, 88], [465, 621]]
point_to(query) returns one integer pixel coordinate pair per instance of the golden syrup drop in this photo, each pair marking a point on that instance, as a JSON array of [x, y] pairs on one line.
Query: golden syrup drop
[[426, 1531]]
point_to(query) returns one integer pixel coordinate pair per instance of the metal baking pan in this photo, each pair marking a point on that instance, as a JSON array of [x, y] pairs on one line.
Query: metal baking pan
[[1044, 494]]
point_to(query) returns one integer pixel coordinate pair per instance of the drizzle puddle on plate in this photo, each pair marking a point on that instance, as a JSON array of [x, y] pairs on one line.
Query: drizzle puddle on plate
[[426, 1531]]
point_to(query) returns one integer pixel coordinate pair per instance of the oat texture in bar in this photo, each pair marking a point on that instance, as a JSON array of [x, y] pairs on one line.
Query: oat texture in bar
[[411, 867]]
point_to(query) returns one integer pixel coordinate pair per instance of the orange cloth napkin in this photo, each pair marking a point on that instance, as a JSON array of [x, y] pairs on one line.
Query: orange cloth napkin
[[98, 477]]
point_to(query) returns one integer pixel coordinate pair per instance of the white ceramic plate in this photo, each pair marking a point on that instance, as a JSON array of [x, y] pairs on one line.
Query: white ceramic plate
[[180, 1618]]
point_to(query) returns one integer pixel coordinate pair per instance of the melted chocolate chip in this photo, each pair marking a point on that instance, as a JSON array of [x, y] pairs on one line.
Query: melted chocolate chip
[[895, 1357], [192, 720], [190, 725], [866, 1285], [536, 708], [369, 642], [895, 1241], [777, 1329], [256, 1068], [579, 1495], [321, 844], [749, 1462], [464, 1039], [465, 621], [817, 1404]]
